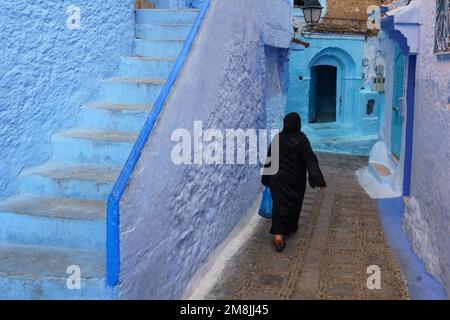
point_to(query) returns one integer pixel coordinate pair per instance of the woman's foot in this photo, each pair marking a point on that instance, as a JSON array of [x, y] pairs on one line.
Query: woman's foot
[[279, 243]]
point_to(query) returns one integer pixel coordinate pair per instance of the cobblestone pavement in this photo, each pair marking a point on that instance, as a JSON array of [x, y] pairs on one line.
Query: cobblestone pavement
[[339, 237]]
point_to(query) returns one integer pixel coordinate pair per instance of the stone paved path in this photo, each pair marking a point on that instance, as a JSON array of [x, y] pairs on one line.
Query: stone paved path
[[340, 235]]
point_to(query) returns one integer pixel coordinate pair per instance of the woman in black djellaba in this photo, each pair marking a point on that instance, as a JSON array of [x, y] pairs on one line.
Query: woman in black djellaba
[[288, 185]]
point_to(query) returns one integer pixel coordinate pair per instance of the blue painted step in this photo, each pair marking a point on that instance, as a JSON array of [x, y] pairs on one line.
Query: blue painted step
[[57, 218], [161, 32], [76, 224], [146, 67], [130, 90], [158, 48], [73, 181], [166, 16], [88, 146], [40, 273], [114, 117]]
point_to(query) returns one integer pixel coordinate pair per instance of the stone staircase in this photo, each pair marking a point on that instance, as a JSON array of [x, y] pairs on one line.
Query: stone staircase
[[58, 217]]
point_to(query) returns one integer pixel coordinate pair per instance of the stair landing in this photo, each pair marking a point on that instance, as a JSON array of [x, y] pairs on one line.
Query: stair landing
[[34, 272]]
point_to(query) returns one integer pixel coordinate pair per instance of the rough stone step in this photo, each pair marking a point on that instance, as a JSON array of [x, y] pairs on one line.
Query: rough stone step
[[74, 181], [160, 48], [344, 144], [339, 138], [96, 147], [118, 107], [165, 31], [68, 223], [99, 135], [55, 207], [134, 80], [151, 58], [166, 16], [33, 272], [114, 117], [125, 90], [67, 171], [327, 129], [146, 67]]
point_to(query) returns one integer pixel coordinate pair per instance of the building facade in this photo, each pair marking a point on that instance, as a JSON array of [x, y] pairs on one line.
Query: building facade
[[331, 83], [412, 155]]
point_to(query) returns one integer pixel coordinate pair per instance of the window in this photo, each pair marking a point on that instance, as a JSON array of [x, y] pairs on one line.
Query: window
[[299, 3], [442, 37]]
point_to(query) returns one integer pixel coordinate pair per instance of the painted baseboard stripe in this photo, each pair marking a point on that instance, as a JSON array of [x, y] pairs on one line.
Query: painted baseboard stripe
[[113, 210]]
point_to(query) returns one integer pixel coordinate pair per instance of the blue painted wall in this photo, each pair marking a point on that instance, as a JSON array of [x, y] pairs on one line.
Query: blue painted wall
[[421, 285], [380, 153], [180, 214], [276, 88], [427, 217], [48, 71]]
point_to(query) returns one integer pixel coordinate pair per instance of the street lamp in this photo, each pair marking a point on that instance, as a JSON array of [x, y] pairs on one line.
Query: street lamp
[[312, 10]]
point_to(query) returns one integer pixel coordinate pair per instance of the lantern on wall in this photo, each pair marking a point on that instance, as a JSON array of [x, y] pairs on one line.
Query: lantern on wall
[[312, 11]]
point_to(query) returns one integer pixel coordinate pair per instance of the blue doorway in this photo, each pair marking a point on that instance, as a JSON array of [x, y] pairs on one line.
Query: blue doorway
[[398, 103], [322, 94], [410, 101]]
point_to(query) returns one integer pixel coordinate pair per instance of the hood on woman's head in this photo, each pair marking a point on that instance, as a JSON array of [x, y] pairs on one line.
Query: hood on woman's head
[[292, 123]]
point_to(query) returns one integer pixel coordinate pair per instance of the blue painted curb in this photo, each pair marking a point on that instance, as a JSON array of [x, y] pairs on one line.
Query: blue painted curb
[[421, 285], [113, 210]]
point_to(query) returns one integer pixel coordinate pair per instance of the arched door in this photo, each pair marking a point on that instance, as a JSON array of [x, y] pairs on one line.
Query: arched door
[[323, 99]]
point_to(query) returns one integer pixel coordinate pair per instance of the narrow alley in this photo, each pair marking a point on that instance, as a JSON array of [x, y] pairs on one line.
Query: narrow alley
[[139, 140], [339, 237]]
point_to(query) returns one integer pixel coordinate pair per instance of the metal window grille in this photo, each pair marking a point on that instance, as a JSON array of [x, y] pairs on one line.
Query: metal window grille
[[442, 37]]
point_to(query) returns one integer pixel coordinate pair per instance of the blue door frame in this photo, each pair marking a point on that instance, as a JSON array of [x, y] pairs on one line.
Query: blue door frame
[[388, 25], [410, 100], [398, 105], [314, 102]]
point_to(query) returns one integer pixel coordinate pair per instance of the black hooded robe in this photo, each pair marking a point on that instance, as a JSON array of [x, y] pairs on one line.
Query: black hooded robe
[[288, 186]]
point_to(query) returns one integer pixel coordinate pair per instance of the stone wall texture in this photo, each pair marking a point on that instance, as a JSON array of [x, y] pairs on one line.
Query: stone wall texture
[[173, 217], [427, 219], [48, 71]]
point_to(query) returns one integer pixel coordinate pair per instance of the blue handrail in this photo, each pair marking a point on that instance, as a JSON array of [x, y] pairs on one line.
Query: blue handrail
[[113, 210]]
